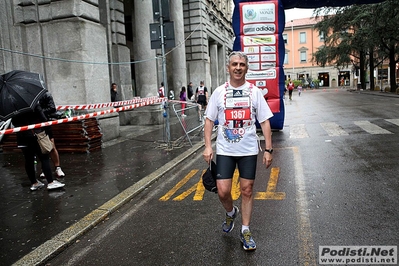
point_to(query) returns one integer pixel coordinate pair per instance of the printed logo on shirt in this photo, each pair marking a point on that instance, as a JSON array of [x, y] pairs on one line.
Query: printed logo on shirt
[[238, 102], [237, 93]]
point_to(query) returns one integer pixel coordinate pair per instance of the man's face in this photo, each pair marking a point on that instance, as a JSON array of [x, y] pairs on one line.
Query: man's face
[[237, 68]]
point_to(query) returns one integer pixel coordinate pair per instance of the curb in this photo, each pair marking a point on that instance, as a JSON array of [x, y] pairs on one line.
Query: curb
[[61, 241]]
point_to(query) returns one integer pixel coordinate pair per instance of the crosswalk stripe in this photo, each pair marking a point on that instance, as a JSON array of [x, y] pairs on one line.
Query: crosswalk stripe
[[371, 128], [333, 129], [298, 132], [393, 121]]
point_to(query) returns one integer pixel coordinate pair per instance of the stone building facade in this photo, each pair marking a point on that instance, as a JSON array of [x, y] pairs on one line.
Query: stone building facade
[[82, 46]]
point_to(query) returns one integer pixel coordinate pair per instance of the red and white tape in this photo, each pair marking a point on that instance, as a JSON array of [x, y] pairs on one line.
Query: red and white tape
[[144, 102], [103, 105]]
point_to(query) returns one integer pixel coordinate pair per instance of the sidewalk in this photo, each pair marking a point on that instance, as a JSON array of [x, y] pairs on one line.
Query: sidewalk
[[378, 93], [37, 225]]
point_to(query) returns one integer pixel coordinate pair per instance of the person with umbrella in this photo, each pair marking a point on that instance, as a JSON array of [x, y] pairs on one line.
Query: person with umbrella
[[27, 141], [49, 110], [20, 92]]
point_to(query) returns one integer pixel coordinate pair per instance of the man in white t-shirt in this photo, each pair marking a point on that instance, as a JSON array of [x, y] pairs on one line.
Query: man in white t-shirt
[[237, 105], [201, 95]]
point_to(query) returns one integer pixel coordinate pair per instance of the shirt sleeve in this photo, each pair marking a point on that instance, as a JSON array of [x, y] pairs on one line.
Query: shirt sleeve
[[211, 111], [263, 111]]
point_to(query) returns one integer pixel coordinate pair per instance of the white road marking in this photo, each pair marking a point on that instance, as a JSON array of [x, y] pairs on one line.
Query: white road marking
[[333, 129], [393, 121], [371, 128], [298, 131], [307, 255]]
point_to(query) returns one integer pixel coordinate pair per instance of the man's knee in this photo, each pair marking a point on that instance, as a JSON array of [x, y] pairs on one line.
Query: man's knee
[[246, 189]]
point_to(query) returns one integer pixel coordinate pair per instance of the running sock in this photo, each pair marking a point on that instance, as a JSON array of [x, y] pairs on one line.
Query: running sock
[[232, 212], [244, 227]]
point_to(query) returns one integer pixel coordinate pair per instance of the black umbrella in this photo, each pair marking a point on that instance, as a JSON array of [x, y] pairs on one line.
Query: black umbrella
[[19, 92]]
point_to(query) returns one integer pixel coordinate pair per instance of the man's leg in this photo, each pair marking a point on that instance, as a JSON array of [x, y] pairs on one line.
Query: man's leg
[[54, 155], [56, 160], [224, 192], [247, 199], [247, 168]]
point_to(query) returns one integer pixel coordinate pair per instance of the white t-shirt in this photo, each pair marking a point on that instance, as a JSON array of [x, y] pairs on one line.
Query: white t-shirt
[[237, 109]]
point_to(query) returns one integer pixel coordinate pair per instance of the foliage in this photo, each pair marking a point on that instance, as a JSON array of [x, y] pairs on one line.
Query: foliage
[[355, 34]]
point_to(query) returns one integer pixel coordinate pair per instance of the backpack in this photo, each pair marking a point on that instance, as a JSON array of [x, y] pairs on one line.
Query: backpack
[[209, 178]]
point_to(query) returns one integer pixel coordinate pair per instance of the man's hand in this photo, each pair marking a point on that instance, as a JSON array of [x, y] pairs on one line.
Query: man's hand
[[208, 154], [267, 159]]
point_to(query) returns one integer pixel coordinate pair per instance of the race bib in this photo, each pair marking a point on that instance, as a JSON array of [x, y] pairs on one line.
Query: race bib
[[238, 114]]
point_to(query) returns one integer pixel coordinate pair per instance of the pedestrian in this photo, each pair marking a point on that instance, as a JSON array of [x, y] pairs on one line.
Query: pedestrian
[[190, 92], [290, 88], [183, 99], [201, 96], [342, 83], [114, 92], [27, 141], [237, 142], [161, 91], [48, 106], [299, 88]]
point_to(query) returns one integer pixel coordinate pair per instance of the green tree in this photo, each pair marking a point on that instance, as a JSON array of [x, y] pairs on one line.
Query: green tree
[[359, 35]]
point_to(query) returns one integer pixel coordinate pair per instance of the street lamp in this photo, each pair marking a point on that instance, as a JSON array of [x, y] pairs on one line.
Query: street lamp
[[292, 44]]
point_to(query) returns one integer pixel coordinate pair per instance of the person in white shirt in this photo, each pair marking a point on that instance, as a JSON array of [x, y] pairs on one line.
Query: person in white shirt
[[237, 105], [201, 95]]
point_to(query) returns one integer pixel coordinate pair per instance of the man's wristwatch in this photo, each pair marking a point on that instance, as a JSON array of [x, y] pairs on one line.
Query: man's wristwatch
[[269, 151]]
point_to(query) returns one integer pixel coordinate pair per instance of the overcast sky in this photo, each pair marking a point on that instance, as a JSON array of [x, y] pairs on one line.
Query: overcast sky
[[295, 13]]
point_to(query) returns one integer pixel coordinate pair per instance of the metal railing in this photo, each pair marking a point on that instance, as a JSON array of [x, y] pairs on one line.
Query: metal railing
[[190, 118]]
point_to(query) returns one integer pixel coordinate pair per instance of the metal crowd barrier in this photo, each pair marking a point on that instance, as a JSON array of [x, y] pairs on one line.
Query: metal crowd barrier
[[189, 118]]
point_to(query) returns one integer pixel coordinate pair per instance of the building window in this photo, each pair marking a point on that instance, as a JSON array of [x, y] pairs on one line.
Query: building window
[[285, 38], [302, 37], [321, 36], [286, 58], [303, 56]]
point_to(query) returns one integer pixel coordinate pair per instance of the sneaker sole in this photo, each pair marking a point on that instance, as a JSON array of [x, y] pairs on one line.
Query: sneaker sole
[[249, 248], [229, 230], [37, 188], [55, 187]]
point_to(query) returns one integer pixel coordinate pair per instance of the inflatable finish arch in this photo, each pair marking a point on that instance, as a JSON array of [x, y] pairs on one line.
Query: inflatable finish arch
[[258, 26]]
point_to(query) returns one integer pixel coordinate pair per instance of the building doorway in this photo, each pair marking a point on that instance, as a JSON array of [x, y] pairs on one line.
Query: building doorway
[[324, 79], [345, 77]]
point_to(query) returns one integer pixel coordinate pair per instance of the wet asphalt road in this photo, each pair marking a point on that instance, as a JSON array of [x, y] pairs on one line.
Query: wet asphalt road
[[336, 187], [29, 219], [326, 187]]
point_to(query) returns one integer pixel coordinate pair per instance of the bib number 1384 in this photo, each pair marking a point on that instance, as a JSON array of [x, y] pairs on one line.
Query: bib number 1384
[[237, 114]]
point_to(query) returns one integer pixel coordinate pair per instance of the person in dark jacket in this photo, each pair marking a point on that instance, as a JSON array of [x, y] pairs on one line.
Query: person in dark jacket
[[48, 106], [30, 148], [190, 91], [114, 92]]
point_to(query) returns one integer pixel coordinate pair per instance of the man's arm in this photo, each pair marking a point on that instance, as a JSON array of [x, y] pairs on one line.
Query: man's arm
[[267, 133], [208, 152]]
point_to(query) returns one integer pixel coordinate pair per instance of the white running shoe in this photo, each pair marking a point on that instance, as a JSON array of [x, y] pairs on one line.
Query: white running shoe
[[42, 176], [37, 186], [59, 172], [55, 184]]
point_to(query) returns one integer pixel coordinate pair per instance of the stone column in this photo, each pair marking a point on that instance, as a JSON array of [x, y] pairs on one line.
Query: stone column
[[222, 64], [179, 75], [213, 54], [145, 65], [146, 71]]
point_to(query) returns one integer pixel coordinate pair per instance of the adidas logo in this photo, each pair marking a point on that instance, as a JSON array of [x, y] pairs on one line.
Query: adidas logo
[[237, 93]]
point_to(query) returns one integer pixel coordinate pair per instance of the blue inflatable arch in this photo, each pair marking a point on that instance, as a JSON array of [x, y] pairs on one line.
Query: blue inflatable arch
[[258, 27]]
